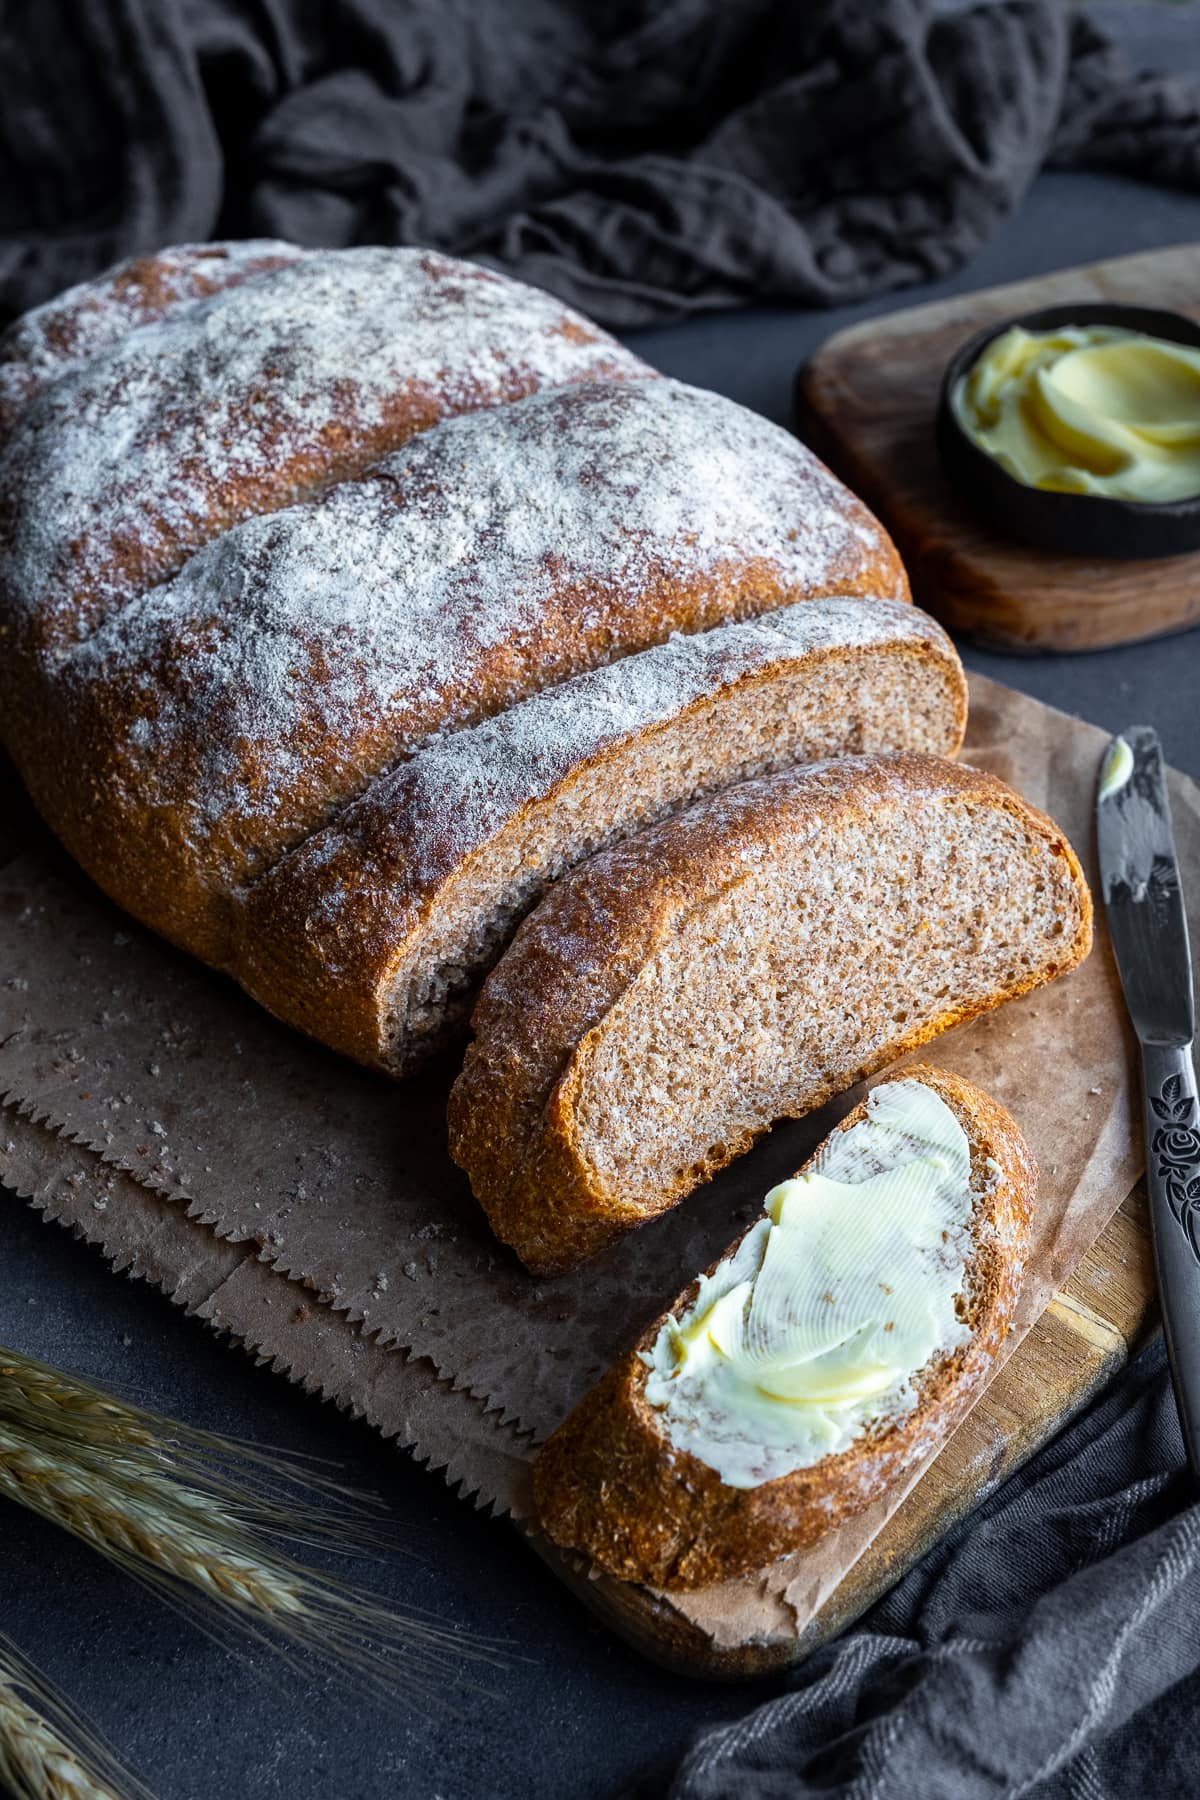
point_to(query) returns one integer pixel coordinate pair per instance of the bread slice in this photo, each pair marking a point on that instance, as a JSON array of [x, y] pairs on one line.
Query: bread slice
[[739, 963], [376, 932], [612, 1484]]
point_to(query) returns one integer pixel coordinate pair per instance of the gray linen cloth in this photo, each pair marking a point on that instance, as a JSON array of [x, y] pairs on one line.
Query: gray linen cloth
[[1047, 1648], [645, 159]]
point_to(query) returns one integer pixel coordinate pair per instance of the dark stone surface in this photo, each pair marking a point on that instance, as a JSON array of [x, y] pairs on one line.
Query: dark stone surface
[[574, 1712]]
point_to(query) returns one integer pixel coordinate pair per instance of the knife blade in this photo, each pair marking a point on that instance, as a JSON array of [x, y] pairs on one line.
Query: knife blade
[[1143, 899]]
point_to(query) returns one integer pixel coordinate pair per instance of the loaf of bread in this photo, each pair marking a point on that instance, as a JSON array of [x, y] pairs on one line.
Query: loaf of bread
[[232, 710], [275, 521], [374, 934], [742, 962], [761, 1411]]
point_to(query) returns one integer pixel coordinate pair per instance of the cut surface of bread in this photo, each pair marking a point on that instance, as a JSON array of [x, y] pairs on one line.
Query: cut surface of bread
[[742, 962], [377, 931], [680, 1493]]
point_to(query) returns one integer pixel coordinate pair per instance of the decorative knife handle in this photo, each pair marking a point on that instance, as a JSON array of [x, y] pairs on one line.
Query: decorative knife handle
[[1173, 1178]]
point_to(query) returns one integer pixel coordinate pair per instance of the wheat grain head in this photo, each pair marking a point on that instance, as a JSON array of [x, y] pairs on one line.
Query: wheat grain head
[[47, 1750], [204, 1521]]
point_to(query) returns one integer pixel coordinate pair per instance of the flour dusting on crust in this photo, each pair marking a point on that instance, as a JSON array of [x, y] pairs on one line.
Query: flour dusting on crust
[[90, 318], [492, 556], [251, 399]]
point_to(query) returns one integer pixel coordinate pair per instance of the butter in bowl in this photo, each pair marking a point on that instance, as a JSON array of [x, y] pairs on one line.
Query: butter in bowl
[[1077, 429]]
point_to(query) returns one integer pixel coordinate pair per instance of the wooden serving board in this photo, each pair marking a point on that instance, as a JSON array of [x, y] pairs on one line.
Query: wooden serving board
[[1105, 1312], [866, 403]]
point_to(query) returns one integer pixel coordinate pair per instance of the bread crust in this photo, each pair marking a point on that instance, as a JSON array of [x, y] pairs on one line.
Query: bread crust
[[251, 398], [228, 713], [321, 937], [545, 1008], [609, 1485], [88, 319]]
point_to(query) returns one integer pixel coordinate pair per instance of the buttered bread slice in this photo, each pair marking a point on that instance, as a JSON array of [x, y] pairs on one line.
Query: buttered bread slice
[[740, 963], [836, 1344]]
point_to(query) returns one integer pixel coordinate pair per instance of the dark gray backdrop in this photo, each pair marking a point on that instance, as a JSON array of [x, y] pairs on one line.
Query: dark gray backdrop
[[575, 1712]]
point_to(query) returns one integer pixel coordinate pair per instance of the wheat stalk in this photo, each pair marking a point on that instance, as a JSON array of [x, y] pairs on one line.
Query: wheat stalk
[[148, 1522], [47, 1751], [202, 1519]]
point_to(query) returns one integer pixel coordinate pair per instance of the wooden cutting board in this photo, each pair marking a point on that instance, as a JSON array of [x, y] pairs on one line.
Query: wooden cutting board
[[866, 403], [1082, 1338]]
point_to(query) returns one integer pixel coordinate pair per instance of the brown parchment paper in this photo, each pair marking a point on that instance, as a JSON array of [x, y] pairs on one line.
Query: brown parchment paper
[[220, 1131], [277, 1321]]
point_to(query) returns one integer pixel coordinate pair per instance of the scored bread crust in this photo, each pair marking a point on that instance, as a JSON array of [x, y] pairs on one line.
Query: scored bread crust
[[251, 398], [87, 319], [610, 1485], [544, 1011], [223, 716], [330, 934]]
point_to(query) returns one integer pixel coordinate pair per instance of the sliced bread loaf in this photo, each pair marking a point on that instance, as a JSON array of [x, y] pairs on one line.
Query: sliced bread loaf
[[792, 1384], [230, 712], [742, 962], [376, 932]]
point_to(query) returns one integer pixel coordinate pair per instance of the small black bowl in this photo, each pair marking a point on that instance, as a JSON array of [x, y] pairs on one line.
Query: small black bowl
[[1077, 524]]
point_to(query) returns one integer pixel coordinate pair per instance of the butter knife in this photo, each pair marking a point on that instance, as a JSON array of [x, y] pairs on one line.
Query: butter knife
[[1146, 919]]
